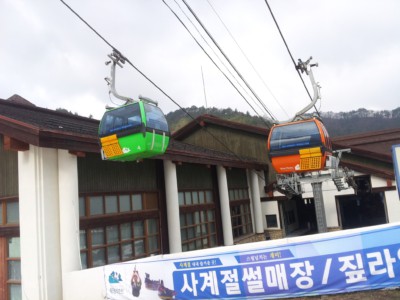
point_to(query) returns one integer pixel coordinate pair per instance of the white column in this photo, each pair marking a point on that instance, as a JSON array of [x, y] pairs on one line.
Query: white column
[[69, 211], [255, 199], [225, 209], [171, 191], [39, 224]]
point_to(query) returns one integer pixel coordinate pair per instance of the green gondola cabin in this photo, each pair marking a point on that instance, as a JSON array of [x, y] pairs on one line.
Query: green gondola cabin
[[133, 132]]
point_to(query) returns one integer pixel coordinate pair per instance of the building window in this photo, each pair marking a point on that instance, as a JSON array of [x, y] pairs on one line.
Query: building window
[[13, 262], [9, 211], [239, 201], [100, 205], [197, 220], [272, 221], [10, 261], [117, 228]]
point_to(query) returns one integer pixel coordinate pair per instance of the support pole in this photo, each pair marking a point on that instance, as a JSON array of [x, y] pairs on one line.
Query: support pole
[[255, 197], [171, 191], [225, 209], [319, 207]]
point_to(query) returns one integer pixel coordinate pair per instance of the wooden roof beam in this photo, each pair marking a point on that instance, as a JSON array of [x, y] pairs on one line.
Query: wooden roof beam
[[14, 144]]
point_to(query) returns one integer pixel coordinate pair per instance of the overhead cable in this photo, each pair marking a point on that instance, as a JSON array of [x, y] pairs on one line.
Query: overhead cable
[[126, 59], [248, 60], [226, 57], [290, 54], [216, 65], [213, 51]]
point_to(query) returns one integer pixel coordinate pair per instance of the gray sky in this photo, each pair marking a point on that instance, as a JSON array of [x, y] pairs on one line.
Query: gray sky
[[51, 58]]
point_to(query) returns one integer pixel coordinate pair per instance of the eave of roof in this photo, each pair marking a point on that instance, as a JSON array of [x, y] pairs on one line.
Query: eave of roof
[[362, 168]]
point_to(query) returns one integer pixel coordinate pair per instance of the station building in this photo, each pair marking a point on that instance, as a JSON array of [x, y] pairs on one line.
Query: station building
[[63, 209]]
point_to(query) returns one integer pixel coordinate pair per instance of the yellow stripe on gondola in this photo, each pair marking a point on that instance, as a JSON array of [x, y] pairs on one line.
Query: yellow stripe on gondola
[[111, 146], [310, 159]]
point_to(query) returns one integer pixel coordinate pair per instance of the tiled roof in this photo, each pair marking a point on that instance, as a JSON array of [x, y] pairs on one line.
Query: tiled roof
[[47, 119], [48, 128], [376, 144], [371, 153]]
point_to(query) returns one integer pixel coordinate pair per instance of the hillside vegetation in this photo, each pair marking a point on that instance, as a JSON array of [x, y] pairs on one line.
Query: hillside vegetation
[[341, 123], [177, 119]]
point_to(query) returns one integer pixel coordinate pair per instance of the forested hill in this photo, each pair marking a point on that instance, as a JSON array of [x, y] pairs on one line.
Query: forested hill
[[361, 120], [337, 124], [179, 118]]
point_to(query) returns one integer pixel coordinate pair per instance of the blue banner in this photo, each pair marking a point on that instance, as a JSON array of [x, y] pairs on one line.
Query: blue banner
[[331, 263]]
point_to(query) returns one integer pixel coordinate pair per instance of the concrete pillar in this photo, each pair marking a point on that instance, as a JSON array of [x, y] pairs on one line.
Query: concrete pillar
[[255, 198], [39, 224], [225, 208], [171, 191], [69, 211]]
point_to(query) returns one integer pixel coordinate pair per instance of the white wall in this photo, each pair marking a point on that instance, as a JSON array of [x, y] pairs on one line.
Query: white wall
[[378, 182], [84, 285], [393, 206], [391, 197], [270, 208], [267, 207]]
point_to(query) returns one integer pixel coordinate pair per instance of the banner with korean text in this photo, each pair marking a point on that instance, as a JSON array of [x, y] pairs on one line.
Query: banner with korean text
[[330, 263]]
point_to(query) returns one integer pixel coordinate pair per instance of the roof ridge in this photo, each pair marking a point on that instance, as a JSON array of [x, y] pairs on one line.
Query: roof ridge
[[365, 134]]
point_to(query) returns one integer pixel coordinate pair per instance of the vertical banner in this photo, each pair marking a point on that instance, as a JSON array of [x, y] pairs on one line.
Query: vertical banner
[[339, 262], [396, 165]]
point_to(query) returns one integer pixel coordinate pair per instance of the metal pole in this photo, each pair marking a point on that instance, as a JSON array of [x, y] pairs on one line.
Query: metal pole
[[319, 207]]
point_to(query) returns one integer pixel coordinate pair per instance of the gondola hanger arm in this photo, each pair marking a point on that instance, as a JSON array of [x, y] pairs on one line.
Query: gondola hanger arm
[[306, 67], [116, 59]]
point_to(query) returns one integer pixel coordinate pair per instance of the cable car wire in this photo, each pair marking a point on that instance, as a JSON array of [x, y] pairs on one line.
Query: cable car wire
[[126, 59], [216, 55], [290, 54], [248, 60], [153, 83], [235, 87], [226, 57], [228, 60]]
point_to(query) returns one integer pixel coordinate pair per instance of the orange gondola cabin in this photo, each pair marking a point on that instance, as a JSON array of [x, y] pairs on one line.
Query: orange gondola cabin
[[300, 146]]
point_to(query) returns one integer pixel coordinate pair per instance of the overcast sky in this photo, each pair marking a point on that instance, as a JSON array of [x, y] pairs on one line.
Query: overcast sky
[[52, 59]]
